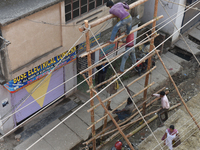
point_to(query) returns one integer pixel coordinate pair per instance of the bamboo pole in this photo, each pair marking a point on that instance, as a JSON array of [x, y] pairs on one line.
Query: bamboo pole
[[121, 104], [110, 16], [106, 118], [99, 64], [119, 129], [90, 81], [151, 48], [122, 36], [126, 125], [87, 142], [150, 120], [136, 130], [177, 90], [102, 83], [121, 90]]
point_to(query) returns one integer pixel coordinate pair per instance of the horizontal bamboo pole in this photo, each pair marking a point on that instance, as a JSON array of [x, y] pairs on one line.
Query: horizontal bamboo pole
[[102, 83], [122, 89], [150, 120], [110, 16], [126, 125], [94, 66], [121, 105], [136, 130], [87, 142], [122, 36]]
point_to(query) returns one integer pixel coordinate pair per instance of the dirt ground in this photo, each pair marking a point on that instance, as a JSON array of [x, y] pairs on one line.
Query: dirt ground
[[188, 83]]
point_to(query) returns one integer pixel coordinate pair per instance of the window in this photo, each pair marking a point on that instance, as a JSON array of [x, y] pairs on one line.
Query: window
[[75, 8]]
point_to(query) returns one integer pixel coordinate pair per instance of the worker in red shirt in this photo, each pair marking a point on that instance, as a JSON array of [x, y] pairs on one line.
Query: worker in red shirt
[[130, 50]]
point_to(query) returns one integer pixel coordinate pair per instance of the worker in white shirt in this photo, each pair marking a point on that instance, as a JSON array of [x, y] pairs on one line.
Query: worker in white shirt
[[164, 108]]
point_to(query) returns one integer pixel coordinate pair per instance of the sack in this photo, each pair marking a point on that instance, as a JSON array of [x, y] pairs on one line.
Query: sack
[[176, 141], [116, 85]]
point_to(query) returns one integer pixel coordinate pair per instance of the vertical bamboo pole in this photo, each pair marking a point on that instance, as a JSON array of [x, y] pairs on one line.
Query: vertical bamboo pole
[[114, 121], [149, 59], [90, 81], [177, 90]]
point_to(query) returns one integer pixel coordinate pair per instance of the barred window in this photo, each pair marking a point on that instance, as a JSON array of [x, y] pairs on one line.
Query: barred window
[[75, 8]]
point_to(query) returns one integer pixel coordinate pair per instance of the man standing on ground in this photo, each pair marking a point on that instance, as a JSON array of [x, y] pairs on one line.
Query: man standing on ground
[[130, 50], [164, 108], [119, 10]]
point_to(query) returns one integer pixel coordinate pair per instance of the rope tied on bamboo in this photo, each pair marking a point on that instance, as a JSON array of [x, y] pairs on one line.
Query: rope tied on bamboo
[[91, 86], [87, 29]]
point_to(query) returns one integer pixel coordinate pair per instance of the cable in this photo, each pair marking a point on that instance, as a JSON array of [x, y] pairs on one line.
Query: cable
[[182, 126], [89, 67], [180, 34], [108, 85], [125, 88], [182, 5], [65, 82]]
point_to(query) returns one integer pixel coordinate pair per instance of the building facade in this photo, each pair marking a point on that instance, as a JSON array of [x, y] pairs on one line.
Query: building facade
[[40, 35]]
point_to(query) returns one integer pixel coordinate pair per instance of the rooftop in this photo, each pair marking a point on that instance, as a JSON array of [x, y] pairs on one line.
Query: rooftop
[[12, 10]]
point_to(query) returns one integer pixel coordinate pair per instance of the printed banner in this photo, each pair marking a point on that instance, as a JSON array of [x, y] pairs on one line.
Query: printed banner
[[82, 46], [40, 71]]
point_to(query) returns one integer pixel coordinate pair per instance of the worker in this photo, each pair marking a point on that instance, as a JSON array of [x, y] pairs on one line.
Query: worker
[[102, 73], [164, 106], [118, 146], [119, 10], [131, 52], [141, 67], [126, 112], [169, 137]]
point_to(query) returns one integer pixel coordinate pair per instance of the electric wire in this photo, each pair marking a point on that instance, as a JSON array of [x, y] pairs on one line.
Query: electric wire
[[180, 33], [89, 67], [109, 84]]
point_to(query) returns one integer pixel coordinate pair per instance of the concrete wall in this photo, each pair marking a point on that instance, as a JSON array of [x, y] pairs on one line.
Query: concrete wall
[[69, 71], [33, 43], [171, 9], [30, 40], [5, 96]]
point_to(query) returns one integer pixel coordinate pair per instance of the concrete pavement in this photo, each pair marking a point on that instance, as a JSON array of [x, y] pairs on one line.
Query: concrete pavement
[[74, 130]]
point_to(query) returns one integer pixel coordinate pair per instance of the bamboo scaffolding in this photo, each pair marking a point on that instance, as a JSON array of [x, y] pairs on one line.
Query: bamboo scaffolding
[[110, 16], [113, 120], [177, 90], [87, 142], [150, 120], [122, 36], [150, 49], [121, 104], [90, 81], [110, 79], [121, 90], [137, 129], [126, 125]]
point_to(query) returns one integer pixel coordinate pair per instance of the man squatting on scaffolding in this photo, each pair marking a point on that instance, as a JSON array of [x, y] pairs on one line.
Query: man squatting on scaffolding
[[125, 18], [130, 50], [164, 106], [126, 112]]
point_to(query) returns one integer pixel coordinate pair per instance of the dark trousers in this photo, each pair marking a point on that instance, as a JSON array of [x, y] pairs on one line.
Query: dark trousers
[[101, 77], [163, 111]]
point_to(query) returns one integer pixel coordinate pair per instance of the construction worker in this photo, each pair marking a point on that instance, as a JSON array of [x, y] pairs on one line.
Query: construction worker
[[125, 18], [131, 52], [126, 111], [164, 106]]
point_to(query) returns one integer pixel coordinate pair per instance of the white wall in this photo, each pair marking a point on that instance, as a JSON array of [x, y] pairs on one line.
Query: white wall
[[5, 95], [171, 9], [69, 71]]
